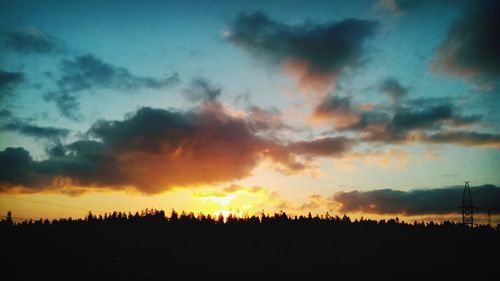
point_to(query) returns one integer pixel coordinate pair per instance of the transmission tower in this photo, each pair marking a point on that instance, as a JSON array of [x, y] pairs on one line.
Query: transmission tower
[[467, 207]]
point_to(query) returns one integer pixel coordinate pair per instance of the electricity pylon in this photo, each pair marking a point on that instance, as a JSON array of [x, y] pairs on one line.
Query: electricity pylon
[[467, 206]]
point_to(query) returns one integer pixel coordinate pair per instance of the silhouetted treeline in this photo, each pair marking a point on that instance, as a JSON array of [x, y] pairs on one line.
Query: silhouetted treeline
[[152, 245]]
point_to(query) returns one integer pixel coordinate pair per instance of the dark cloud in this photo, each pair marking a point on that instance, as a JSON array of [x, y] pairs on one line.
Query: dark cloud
[[5, 114], [337, 109], [155, 150], [201, 89], [13, 124], [417, 202], [333, 105], [16, 163], [32, 40], [392, 88], [465, 138], [36, 131], [472, 46], [8, 80], [314, 53], [329, 146], [89, 73], [401, 123], [406, 120]]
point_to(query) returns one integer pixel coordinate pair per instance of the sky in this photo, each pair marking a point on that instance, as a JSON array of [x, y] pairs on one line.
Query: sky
[[368, 108]]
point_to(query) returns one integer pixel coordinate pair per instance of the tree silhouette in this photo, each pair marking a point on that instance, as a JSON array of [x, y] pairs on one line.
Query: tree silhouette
[[150, 245]]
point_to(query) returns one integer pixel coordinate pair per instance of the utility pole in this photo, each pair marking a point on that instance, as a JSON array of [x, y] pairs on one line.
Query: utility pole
[[467, 206]]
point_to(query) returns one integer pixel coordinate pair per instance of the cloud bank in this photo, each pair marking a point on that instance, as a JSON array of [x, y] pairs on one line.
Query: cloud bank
[[154, 150], [417, 202]]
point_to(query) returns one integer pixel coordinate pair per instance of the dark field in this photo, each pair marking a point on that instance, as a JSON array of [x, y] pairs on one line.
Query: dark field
[[154, 247]]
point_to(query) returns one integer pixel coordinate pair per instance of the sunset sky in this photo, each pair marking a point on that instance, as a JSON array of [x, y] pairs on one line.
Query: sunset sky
[[369, 108]]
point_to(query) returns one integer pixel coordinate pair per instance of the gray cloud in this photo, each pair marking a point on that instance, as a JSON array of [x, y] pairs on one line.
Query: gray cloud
[[201, 89], [471, 48], [10, 123], [392, 88], [417, 202], [36, 131], [32, 40], [408, 120], [429, 120], [333, 106], [154, 150], [89, 73], [8, 80], [330, 146], [399, 122], [465, 138], [316, 53]]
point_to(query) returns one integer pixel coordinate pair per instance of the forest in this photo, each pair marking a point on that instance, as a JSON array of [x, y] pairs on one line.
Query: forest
[[152, 245]]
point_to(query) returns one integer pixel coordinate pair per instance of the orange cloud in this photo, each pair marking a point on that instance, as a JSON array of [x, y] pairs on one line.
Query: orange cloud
[[309, 80], [155, 150]]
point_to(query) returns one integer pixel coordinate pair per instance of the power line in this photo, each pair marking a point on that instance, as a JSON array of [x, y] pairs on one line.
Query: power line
[[50, 204]]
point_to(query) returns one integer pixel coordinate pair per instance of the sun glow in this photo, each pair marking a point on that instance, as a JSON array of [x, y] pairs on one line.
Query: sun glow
[[233, 200], [226, 213]]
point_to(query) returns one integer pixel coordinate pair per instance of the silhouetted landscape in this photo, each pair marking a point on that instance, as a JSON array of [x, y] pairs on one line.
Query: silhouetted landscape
[[154, 246], [328, 140]]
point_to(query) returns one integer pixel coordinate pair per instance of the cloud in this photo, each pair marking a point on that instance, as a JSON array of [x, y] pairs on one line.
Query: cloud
[[465, 138], [8, 80], [67, 104], [471, 48], [89, 73], [416, 202], [36, 131], [426, 120], [32, 40], [201, 89], [403, 122], [392, 88], [336, 109], [314, 54], [265, 120], [406, 120], [323, 147], [154, 150], [13, 124], [316, 201]]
